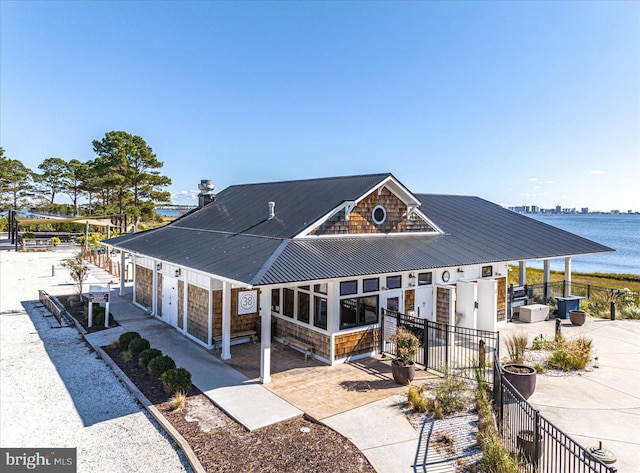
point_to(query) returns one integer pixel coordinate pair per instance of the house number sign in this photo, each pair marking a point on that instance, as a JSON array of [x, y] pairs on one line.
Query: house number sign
[[247, 302]]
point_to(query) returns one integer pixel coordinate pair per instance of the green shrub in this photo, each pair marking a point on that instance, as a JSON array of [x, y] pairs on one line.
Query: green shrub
[[160, 364], [176, 380], [126, 338], [572, 354], [55, 241], [147, 355], [451, 395], [137, 346]]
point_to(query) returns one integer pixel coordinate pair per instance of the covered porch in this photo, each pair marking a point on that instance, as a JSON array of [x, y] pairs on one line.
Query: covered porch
[[318, 389]]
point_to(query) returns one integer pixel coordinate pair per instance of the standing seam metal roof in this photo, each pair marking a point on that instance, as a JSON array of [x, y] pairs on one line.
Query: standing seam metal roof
[[232, 237]]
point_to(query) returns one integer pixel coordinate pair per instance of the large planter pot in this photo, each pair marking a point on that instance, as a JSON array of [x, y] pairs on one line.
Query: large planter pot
[[403, 374], [521, 377], [526, 446], [577, 317]]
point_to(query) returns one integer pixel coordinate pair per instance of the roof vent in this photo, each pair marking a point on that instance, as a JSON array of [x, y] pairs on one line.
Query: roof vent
[[206, 195], [272, 210]]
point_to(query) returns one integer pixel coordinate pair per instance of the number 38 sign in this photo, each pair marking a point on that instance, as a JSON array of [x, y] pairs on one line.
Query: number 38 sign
[[247, 302]]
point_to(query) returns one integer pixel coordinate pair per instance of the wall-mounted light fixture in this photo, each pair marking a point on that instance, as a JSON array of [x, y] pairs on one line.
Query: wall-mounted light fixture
[[460, 270], [412, 279], [159, 266], [178, 272]]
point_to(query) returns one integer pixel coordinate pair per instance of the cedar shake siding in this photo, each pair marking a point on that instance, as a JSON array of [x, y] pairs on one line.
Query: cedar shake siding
[[144, 286], [198, 312], [361, 220]]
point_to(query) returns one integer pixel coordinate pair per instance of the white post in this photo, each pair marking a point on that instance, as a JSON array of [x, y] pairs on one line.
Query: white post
[[106, 310], [226, 321], [265, 336], [567, 276], [522, 273], [90, 314], [123, 270], [210, 316]]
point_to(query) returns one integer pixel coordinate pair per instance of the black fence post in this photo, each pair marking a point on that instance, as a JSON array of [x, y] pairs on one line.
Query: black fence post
[[613, 310], [425, 343], [537, 438], [446, 345], [382, 331]]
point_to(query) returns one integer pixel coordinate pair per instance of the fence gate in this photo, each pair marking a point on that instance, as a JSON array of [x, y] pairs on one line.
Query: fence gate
[[461, 351]]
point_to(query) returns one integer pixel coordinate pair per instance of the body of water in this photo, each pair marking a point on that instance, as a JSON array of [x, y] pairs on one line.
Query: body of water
[[620, 232]]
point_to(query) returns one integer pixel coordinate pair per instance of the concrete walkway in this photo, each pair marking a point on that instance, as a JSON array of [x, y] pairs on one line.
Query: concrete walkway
[[598, 405], [242, 399]]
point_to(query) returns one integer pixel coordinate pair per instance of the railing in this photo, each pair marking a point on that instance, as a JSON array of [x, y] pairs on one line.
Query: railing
[[539, 445], [599, 301], [462, 351]]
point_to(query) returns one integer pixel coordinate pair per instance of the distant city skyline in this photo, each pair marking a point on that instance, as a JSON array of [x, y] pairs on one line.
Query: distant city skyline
[[559, 209], [515, 102]]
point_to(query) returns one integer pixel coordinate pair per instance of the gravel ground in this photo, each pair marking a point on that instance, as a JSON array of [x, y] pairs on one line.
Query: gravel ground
[[56, 392]]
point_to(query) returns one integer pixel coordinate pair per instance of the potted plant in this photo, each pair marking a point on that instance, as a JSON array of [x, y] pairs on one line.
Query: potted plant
[[521, 376], [403, 368], [577, 317], [526, 445]]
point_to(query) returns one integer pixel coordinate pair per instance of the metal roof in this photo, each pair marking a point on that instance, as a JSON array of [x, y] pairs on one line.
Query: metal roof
[[232, 237]]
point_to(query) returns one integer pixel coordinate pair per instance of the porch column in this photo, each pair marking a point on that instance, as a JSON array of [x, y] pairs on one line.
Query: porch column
[[547, 279], [567, 276], [265, 336], [122, 272], [522, 273], [226, 321]]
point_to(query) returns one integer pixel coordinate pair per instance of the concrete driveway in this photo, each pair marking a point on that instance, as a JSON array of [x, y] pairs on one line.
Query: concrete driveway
[[602, 404]]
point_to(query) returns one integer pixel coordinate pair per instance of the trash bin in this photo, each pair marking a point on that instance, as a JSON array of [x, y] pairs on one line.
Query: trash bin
[[565, 304]]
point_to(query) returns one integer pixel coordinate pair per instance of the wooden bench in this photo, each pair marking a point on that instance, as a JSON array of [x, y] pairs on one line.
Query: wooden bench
[[217, 341], [294, 342]]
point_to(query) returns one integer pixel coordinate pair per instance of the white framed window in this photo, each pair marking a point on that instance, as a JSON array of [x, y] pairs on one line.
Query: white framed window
[[379, 214]]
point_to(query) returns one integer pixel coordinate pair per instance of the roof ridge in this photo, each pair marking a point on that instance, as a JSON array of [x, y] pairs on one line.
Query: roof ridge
[[313, 179]]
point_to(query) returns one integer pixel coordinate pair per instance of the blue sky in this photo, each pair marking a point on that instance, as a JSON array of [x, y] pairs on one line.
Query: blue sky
[[517, 102]]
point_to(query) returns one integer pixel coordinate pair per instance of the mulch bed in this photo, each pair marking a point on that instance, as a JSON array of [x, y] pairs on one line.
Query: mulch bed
[[80, 314], [222, 445]]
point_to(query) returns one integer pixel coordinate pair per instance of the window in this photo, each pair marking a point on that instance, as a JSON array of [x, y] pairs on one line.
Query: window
[[371, 285], [305, 288], [425, 279], [304, 299], [487, 271], [358, 311], [320, 288], [275, 300], [348, 287], [287, 308], [394, 282], [320, 312], [379, 214]]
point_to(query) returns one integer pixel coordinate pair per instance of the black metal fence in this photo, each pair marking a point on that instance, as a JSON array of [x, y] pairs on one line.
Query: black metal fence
[[539, 445], [598, 301], [462, 351]]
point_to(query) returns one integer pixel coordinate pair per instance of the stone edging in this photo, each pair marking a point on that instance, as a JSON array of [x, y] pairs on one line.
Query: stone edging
[[166, 425]]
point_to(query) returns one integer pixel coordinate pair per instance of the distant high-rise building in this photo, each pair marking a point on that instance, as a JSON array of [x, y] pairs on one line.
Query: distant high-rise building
[[535, 209], [558, 209], [584, 210]]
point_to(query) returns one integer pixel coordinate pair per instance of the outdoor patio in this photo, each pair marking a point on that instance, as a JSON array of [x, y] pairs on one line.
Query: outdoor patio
[[318, 389]]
